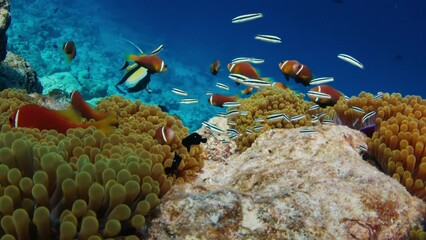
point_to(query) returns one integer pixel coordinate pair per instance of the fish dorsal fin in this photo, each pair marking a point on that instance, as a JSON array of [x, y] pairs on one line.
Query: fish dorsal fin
[[71, 114], [140, 50]]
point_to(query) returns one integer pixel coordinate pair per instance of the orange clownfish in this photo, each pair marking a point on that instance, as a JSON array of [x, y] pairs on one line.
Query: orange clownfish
[[85, 109], [296, 70], [244, 68], [324, 95], [34, 116], [151, 62], [281, 85], [219, 99], [70, 50], [214, 67]]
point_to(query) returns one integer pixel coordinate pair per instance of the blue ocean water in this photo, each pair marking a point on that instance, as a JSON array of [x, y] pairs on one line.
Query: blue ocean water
[[387, 36]]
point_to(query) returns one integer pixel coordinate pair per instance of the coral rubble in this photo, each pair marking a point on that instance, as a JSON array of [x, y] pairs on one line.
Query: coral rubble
[[291, 185]]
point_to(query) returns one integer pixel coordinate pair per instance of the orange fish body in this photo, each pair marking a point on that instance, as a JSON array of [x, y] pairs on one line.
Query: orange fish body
[[281, 85], [70, 50], [34, 116], [214, 67], [219, 99], [296, 70], [244, 68], [151, 62], [324, 102], [85, 109]]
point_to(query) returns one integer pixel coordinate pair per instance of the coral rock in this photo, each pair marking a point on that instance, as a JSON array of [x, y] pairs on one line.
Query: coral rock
[[291, 185], [4, 25], [16, 72]]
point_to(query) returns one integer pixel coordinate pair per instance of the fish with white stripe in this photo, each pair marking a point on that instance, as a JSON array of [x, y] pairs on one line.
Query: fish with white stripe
[[351, 60], [268, 38], [189, 101], [179, 92], [247, 59], [246, 17], [321, 80]]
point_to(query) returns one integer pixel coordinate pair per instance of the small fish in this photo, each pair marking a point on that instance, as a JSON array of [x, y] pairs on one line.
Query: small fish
[[179, 92], [189, 101], [157, 50], [175, 164], [327, 121], [247, 59], [307, 131], [297, 118], [193, 139], [164, 135], [368, 116], [238, 78], [70, 50], [257, 83], [268, 38], [246, 17], [218, 99], [301, 73], [231, 123], [358, 109], [214, 67], [125, 65], [163, 108], [231, 131], [231, 104], [378, 95], [258, 128], [223, 86], [324, 95], [231, 113], [275, 118], [248, 131], [314, 107], [350, 60], [321, 80], [135, 79], [212, 127]]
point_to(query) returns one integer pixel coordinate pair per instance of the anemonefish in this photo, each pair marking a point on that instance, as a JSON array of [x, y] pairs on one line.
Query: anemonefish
[[151, 62], [219, 99], [70, 50], [331, 95], [214, 67], [281, 85], [193, 139], [296, 70], [34, 116], [85, 109], [164, 135], [244, 68], [135, 79]]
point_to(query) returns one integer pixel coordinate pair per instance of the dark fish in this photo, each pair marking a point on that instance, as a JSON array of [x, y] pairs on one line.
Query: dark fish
[[193, 139], [135, 79], [176, 161], [163, 108]]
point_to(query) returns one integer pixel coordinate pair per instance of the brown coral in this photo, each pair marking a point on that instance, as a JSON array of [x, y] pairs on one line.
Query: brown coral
[[265, 103], [85, 184], [399, 138]]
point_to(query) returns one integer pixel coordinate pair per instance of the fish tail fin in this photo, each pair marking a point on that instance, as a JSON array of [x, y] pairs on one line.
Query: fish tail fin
[[268, 79], [71, 113], [106, 125]]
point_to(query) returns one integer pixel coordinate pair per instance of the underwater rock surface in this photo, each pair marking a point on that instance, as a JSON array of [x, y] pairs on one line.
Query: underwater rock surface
[[291, 185], [4, 25], [16, 72]]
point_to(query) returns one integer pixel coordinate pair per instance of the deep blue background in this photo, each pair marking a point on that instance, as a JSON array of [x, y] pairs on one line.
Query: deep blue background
[[387, 36]]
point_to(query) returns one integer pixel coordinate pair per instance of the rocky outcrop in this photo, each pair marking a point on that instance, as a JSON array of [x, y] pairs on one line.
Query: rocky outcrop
[[291, 184], [15, 72], [4, 25]]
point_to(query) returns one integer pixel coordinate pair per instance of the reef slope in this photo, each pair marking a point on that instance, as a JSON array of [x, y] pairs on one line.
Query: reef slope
[[291, 185]]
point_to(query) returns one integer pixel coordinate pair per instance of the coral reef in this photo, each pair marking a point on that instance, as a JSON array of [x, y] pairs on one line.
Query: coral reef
[[399, 134], [315, 186], [4, 25], [15, 72], [84, 183], [265, 103]]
